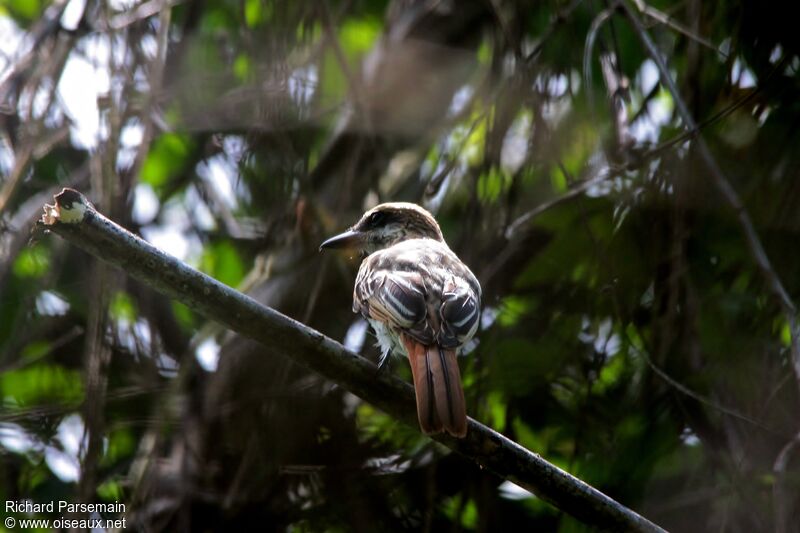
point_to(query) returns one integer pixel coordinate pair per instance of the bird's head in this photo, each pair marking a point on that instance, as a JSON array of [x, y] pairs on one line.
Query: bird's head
[[385, 225]]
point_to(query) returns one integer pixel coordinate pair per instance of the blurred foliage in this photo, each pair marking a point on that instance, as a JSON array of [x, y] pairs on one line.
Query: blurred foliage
[[628, 336]]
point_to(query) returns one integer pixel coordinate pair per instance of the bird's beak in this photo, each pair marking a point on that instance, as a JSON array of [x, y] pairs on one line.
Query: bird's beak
[[348, 239]]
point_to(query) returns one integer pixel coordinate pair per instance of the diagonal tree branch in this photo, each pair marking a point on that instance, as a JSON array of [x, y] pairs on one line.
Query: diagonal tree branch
[[74, 219]]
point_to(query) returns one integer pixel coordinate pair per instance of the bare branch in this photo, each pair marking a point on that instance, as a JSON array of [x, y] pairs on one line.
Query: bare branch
[[559, 19], [724, 112], [708, 402], [588, 50], [141, 12], [670, 22], [30, 150], [46, 26], [577, 190], [74, 219]]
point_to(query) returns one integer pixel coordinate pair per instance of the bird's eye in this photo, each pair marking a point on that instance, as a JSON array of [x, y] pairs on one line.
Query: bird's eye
[[376, 218]]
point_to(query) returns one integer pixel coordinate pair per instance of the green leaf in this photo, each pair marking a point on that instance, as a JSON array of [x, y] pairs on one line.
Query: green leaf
[[485, 52], [222, 261], [512, 309], [121, 445], [612, 374], [122, 307], [242, 67], [492, 184], [40, 384], [25, 10], [558, 180], [32, 262], [166, 158], [219, 18], [497, 411], [465, 513], [358, 35], [253, 13], [184, 315], [35, 350], [111, 491], [786, 334]]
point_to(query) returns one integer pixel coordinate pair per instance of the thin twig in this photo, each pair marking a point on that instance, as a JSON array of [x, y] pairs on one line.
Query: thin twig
[[149, 112], [645, 103], [690, 133], [354, 85], [668, 21], [708, 402], [641, 159], [617, 89], [557, 20], [141, 12], [588, 50], [47, 25], [97, 356], [577, 190], [31, 149], [436, 181], [68, 336]]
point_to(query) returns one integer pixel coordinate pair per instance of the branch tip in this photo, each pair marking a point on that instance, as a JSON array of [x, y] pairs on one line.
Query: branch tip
[[69, 207]]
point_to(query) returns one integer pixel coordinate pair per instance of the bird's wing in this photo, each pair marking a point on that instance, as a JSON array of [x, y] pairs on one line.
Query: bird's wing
[[460, 312], [393, 297], [429, 294]]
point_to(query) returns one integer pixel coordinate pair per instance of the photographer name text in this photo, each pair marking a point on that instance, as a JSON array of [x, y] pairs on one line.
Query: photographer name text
[[62, 506]]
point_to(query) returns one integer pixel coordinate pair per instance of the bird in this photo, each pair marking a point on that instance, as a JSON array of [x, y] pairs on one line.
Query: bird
[[422, 302]]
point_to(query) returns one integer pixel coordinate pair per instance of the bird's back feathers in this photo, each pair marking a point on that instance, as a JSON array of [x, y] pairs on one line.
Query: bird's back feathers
[[423, 294], [420, 287]]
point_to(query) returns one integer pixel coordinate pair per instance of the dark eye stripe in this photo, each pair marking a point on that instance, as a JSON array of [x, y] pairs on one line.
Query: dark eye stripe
[[377, 218]]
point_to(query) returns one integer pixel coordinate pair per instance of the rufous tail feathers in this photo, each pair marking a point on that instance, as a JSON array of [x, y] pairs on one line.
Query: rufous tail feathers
[[437, 382]]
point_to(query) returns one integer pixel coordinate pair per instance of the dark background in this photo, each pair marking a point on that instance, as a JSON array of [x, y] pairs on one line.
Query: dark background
[[629, 335]]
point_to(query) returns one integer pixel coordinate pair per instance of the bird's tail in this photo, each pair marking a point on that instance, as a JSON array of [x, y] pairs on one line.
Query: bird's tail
[[437, 382]]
